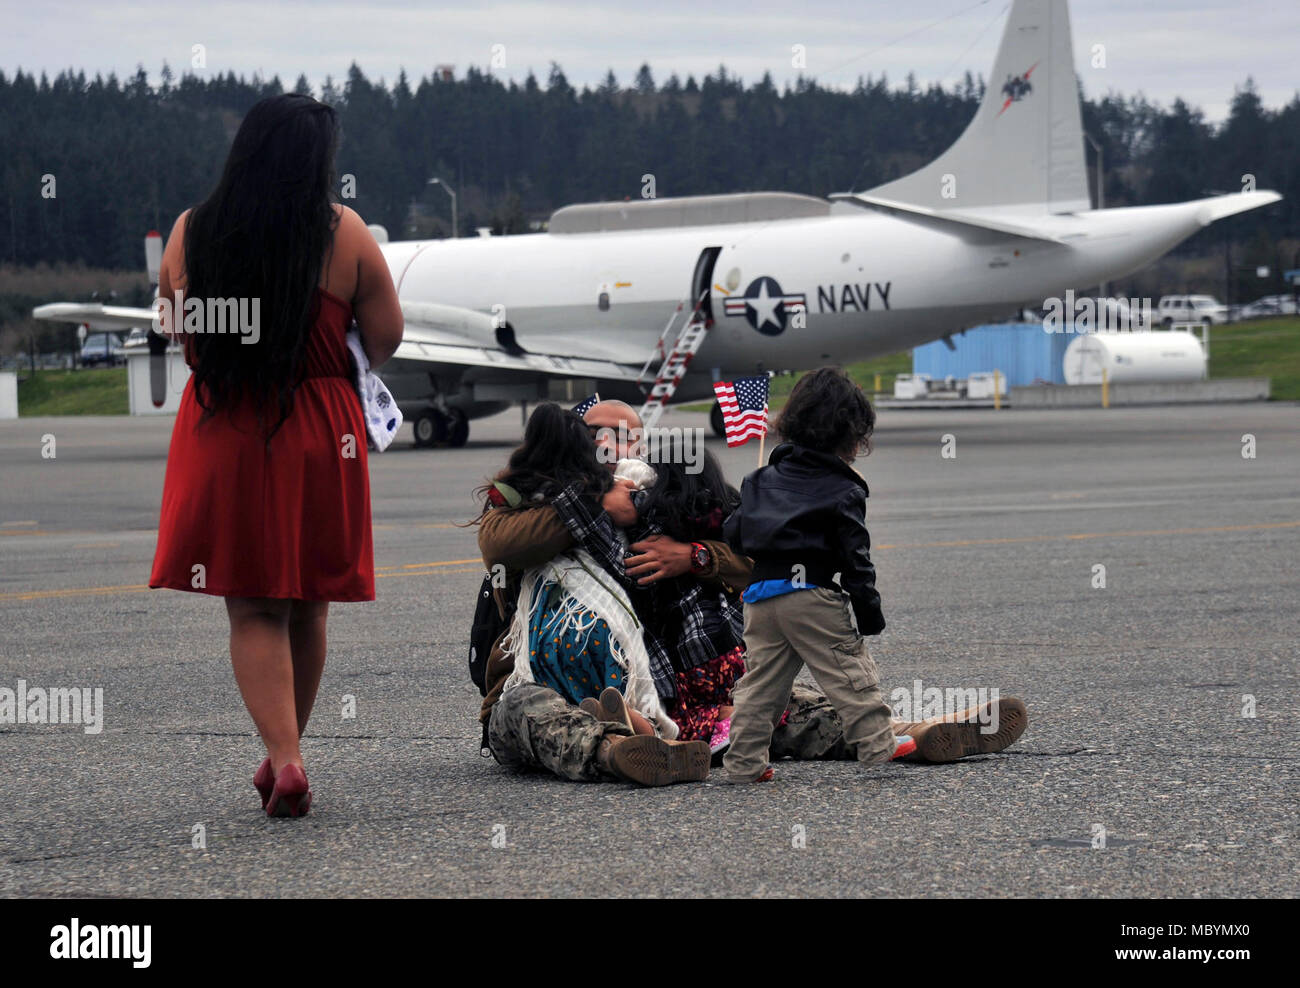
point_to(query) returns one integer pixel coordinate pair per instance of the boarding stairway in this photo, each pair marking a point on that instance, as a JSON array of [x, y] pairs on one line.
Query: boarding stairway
[[673, 362]]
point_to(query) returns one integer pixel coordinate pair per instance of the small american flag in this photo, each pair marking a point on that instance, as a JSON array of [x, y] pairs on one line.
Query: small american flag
[[744, 408], [584, 406]]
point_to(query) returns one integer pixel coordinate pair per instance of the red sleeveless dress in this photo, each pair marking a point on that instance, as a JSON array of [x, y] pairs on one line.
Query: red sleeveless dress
[[292, 520]]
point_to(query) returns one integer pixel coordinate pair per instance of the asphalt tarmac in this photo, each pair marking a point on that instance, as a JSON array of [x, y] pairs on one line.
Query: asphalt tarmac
[[1142, 772]]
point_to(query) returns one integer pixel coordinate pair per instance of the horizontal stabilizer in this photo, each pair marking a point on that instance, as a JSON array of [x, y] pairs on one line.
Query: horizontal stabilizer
[[1229, 205], [95, 315], [949, 217]]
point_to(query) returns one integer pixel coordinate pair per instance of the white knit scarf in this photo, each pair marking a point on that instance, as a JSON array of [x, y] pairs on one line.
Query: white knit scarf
[[586, 589]]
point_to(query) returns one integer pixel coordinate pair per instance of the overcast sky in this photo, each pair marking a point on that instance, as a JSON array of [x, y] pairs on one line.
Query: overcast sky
[[1197, 49]]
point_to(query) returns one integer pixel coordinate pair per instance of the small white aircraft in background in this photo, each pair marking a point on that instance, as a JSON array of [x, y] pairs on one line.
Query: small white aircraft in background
[[653, 300]]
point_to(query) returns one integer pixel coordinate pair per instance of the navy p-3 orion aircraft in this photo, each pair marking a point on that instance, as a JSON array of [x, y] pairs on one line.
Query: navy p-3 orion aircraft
[[652, 300]]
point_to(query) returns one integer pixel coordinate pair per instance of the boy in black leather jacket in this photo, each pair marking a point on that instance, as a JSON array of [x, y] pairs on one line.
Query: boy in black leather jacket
[[802, 519]]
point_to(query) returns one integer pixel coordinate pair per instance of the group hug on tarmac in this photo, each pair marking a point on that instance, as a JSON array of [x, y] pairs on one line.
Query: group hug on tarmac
[[642, 621]]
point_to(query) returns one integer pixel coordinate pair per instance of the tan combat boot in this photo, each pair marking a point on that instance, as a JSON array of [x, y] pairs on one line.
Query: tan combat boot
[[651, 761], [953, 736]]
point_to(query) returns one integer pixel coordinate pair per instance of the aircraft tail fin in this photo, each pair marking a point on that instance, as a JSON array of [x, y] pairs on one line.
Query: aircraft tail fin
[[1025, 145]]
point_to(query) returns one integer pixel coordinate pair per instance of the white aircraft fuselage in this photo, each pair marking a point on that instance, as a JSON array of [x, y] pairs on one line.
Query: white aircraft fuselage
[[867, 282]]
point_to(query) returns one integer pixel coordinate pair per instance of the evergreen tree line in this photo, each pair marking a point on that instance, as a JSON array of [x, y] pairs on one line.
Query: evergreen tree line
[[128, 156]]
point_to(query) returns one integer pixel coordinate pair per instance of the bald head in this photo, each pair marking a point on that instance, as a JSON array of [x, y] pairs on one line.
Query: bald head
[[616, 428]]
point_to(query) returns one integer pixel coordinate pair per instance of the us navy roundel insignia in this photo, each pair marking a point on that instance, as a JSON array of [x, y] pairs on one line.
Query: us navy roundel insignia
[[765, 305]]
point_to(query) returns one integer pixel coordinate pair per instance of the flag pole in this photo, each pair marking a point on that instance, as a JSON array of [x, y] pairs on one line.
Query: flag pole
[[761, 439]]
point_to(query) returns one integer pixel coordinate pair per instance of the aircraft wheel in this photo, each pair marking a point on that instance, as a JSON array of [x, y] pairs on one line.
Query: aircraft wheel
[[430, 428], [715, 420], [457, 428]]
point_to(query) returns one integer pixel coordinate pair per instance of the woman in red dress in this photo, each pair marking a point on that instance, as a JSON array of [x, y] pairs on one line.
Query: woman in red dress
[[267, 496]]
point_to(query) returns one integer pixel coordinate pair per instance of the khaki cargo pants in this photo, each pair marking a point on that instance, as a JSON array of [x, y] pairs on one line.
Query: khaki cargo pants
[[815, 628]]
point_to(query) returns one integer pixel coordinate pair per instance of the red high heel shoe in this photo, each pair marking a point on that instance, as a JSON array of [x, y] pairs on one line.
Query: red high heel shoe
[[264, 781], [291, 795]]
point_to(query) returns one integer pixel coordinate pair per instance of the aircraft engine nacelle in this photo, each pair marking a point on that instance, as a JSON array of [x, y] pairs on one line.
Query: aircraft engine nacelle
[[436, 318]]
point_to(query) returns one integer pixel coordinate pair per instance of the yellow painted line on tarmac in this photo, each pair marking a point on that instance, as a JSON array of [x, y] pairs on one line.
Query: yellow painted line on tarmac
[[407, 569], [425, 572], [430, 524], [72, 592], [41, 531], [476, 565], [425, 566], [14, 529]]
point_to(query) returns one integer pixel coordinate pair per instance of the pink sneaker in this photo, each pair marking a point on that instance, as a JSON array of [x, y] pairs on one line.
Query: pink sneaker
[[721, 739]]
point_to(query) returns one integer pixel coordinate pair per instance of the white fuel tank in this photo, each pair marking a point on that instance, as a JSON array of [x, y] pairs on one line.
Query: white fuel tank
[[1134, 358]]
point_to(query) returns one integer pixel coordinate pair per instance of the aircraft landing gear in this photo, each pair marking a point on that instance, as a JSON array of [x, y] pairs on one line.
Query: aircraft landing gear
[[457, 428], [435, 427], [430, 428]]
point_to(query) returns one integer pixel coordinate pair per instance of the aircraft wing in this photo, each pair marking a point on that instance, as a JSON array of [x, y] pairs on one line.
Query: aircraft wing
[[435, 334], [95, 314], [423, 347]]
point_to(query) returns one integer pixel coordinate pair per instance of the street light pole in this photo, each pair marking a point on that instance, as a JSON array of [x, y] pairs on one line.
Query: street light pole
[[455, 224]]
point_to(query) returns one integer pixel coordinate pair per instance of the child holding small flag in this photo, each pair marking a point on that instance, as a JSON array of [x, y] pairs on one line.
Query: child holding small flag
[[802, 519]]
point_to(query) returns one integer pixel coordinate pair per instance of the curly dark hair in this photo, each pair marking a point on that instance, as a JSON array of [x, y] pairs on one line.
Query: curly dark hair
[[828, 412], [687, 505], [557, 452]]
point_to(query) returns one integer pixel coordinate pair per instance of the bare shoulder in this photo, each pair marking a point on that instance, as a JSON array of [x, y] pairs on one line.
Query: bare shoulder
[[173, 260], [349, 221], [176, 239]]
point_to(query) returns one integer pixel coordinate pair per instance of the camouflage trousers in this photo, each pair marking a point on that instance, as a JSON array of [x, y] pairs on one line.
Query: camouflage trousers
[[532, 727], [812, 732]]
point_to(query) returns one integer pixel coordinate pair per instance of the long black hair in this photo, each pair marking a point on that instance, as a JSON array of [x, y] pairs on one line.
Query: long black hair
[[686, 502], [557, 452], [263, 234]]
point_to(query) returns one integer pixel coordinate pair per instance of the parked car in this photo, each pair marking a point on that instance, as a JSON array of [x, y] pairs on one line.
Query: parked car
[[1203, 309], [1269, 305], [102, 349]]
